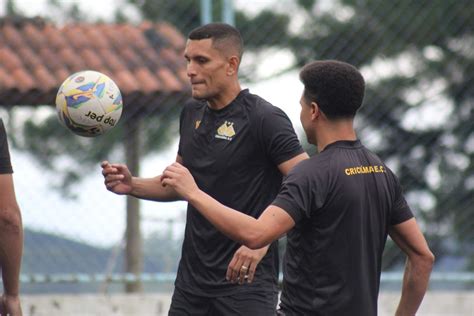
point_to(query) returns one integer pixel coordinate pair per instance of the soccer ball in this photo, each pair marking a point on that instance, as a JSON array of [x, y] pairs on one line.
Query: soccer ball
[[89, 103]]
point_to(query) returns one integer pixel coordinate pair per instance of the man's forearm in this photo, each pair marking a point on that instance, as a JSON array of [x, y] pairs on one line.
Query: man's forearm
[[152, 189], [11, 248], [236, 225], [415, 284]]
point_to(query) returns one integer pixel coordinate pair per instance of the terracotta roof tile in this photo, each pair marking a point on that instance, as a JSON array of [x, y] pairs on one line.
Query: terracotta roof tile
[[13, 37], [45, 77], [134, 36], [75, 36], [36, 57], [148, 82], [10, 60], [55, 39], [172, 34], [130, 57], [168, 56], [91, 58], [34, 36], [50, 59], [71, 60], [169, 79], [114, 35], [126, 81], [95, 37], [61, 74], [6, 80], [29, 59], [114, 63], [150, 58], [24, 80]]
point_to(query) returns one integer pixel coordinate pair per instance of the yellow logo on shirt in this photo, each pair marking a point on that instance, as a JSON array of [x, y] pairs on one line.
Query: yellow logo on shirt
[[226, 131], [196, 124], [363, 170]]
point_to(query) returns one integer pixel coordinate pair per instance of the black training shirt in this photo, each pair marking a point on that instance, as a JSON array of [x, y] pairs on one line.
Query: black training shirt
[[233, 154], [5, 163], [343, 201]]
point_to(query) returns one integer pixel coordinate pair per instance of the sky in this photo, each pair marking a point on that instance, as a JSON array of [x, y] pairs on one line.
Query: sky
[[98, 216]]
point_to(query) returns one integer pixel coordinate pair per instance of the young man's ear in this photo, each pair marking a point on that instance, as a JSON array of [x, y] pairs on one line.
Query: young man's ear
[[233, 65], [315, 111]]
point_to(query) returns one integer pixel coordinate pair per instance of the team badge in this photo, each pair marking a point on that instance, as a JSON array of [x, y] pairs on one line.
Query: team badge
[[226, 131]]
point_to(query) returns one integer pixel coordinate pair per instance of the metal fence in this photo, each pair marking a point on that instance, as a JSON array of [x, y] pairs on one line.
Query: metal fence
[[418, 61]]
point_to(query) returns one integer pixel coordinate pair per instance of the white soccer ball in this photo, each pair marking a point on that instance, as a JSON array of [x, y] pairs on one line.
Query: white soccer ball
[[89, 103]]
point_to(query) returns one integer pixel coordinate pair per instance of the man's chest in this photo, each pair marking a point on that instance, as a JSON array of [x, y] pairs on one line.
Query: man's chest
[[218, 141]]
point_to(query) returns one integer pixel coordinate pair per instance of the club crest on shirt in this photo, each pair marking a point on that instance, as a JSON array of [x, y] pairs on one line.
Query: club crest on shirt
[[226, 131], [196, 124]]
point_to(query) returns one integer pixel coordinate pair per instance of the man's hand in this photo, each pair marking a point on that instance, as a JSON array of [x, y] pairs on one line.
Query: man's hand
[[10, 305], [244, 263], [180, 179], [117, 178]]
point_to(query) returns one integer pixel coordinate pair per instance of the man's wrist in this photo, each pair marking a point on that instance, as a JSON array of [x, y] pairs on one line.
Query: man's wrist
[[194, 196], [133, 188]]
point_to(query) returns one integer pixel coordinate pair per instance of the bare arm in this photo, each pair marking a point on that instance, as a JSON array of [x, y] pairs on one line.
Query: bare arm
[[118, 179], [11, 245], [418, 267], [251, 232], [286, 166]]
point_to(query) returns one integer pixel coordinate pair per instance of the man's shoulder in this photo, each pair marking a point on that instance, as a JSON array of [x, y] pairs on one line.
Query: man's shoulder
[[258, 105], [318, 163], [190, 108]]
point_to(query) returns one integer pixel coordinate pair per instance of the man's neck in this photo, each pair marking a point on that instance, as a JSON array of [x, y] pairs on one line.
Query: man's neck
[[333, 132], [225, 97]]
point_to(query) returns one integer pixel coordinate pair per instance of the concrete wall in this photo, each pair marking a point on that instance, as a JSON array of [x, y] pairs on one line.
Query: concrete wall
[[435, 304]]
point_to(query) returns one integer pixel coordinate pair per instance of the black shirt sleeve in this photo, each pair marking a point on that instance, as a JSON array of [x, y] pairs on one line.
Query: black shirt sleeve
[[401, 212], [278, 135], [297, 195], [5, 163]]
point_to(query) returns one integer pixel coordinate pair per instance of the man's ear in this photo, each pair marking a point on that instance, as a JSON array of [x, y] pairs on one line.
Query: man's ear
[[233, 65], [315, 111]]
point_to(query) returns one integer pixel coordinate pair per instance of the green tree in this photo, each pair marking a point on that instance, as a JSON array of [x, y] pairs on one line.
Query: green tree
[[265, 29]]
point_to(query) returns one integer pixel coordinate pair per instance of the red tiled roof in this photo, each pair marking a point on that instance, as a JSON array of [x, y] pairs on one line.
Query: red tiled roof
[[36, 57]]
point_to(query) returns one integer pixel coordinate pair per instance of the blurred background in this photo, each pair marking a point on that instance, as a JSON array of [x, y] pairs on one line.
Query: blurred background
[[417, 58]]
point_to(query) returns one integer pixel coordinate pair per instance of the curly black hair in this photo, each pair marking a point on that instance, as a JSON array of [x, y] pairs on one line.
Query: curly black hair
[[336, 87]]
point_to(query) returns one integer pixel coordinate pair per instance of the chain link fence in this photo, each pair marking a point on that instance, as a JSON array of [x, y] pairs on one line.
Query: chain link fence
[[418, 61]]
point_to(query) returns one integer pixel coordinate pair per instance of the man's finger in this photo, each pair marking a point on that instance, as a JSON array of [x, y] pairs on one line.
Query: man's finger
[[230, 268], [169, 174], [243, 272], [111, 185], [168, 181], [251, 273], [235, 270]]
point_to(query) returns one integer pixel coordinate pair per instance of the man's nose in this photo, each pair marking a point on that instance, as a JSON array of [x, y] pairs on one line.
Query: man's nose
[[191, 70]]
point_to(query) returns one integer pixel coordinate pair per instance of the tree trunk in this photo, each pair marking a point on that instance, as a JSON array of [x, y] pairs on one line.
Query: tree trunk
[[133, 247]]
